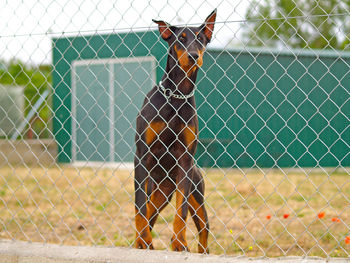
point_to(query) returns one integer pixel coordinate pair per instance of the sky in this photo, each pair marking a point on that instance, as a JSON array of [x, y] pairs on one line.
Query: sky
[[28, 26]]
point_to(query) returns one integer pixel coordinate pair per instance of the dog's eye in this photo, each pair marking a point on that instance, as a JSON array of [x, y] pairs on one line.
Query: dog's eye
[[199, 38], [182, 39]]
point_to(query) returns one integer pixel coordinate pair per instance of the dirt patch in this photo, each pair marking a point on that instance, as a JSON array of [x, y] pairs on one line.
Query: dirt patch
[[30, 152]]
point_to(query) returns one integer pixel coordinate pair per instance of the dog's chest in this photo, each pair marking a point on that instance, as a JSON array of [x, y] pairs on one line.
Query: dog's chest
[[163, 136]]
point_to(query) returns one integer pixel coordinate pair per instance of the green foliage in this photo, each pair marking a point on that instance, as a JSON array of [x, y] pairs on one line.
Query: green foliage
[[35, 80], [298, 23]]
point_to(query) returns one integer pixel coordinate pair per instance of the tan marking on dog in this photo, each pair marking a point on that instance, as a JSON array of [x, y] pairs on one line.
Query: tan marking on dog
[[198, 210], [178, 241], [153, 129], [189, 135], [184, 61], [182, 57], [200, 59]]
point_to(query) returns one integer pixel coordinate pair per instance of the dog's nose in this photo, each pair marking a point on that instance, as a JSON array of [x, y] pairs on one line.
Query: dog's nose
[[193, 56]]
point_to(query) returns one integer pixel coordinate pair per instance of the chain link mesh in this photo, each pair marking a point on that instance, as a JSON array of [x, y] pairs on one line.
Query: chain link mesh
[[273, 106]]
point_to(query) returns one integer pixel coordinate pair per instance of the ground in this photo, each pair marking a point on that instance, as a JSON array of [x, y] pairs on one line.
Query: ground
[[252, 212]]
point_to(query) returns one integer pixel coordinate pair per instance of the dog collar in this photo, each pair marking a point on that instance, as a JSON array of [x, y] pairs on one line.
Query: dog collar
[[168, 93]]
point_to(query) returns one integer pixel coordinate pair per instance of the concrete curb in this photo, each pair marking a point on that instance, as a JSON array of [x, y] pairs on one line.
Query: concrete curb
[[23, 252]]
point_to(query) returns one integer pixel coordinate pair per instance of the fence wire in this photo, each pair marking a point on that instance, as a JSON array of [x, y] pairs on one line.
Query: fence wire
[[272, 99]]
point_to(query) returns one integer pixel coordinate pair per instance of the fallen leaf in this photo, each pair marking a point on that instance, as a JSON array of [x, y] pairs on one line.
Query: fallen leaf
[[321, 215], [347, 240]]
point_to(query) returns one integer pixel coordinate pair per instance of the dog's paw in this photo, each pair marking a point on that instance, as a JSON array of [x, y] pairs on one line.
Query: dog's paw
[[179, 245], [202, 250], [143, 243]]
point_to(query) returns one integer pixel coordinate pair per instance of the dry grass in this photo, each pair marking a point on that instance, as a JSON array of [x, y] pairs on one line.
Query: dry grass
[[91, 206]]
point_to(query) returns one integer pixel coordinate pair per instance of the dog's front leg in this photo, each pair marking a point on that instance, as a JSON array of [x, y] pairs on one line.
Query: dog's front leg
[[183, 187], [143, 233]]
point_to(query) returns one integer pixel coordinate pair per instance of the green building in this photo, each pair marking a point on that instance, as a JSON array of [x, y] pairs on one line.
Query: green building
[[256, 107]]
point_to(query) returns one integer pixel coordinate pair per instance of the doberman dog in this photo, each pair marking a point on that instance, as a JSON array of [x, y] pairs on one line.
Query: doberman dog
[[166, 141]]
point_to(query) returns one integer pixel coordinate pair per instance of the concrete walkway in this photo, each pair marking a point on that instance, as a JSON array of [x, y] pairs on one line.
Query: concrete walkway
[[23, 252]]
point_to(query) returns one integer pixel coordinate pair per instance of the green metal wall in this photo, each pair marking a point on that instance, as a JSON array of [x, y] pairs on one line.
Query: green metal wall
[[66, 50], [269, 108], [255, 107]]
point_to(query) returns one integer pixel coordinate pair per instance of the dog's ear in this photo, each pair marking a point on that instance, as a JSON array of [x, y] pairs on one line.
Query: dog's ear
[[208, 26], [164, 29]]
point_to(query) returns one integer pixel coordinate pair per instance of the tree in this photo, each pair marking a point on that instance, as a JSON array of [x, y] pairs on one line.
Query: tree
[[298, 23]]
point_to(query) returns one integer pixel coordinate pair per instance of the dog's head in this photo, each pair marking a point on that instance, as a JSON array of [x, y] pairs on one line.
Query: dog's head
[[187, 44]]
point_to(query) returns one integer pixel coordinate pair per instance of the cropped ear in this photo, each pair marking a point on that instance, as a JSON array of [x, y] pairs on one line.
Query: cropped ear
[[164, 29], [208, 26]]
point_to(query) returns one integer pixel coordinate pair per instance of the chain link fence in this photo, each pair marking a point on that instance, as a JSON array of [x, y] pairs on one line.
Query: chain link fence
[[273, 108]]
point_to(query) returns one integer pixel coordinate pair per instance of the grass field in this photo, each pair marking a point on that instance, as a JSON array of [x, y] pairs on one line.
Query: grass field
[[247, 210]]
